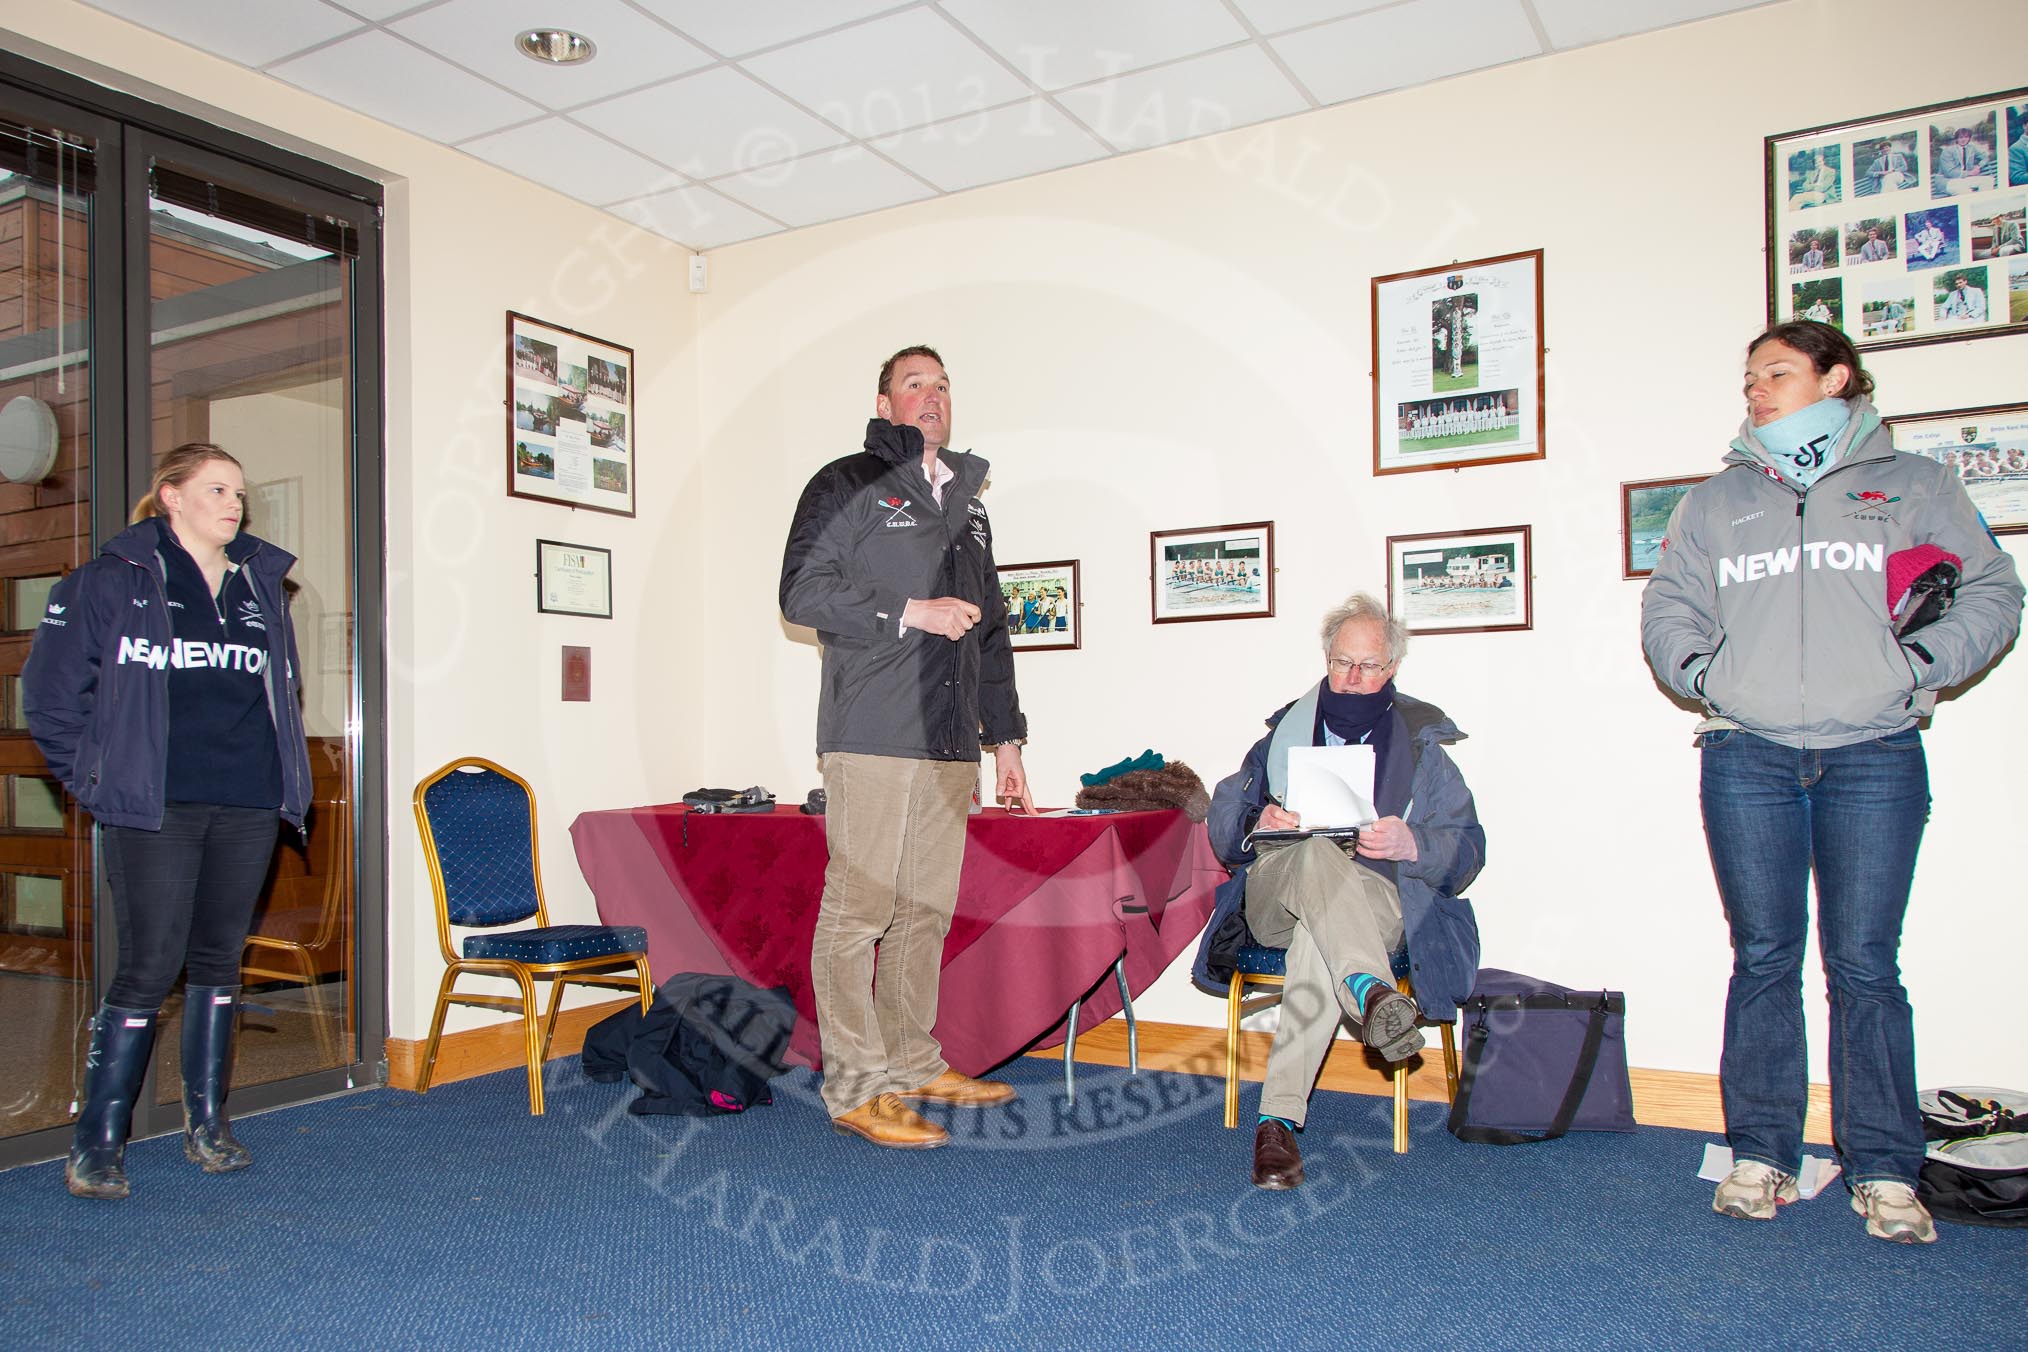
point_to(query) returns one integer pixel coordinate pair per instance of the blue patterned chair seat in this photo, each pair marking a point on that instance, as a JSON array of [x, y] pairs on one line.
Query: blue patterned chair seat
[[1260, 960], [557, 943], [1256, 960]]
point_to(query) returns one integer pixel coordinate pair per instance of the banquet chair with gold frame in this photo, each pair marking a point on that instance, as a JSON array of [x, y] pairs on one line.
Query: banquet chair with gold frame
[[1259, 965], [478, 826]]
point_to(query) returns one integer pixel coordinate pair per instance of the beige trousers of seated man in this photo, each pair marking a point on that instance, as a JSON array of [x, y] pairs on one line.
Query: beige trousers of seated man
[[1337, 918], [896, 831]]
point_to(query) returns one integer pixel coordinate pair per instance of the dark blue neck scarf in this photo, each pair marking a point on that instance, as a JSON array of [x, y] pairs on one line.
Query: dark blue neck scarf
[[1355, 717]]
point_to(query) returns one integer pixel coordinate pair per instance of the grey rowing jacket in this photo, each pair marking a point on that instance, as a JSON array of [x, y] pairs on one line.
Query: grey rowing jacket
[[1770, 605]]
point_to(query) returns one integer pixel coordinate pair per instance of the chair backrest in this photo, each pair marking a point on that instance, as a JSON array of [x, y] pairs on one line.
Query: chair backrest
[[478, 830]]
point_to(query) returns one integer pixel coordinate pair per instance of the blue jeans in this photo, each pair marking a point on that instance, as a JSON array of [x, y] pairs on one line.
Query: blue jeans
[[1855, 815]]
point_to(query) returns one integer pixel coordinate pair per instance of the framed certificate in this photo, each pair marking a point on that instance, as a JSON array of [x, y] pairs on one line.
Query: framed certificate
[[1457, 365], [573, 579]]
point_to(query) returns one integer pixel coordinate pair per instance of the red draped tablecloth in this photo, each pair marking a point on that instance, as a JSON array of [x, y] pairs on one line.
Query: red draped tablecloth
[[1045, 907]]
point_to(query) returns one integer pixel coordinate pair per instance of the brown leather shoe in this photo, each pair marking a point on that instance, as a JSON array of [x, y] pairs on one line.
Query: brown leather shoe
[[963, 1090], [1277, 1164], [886, 1120]]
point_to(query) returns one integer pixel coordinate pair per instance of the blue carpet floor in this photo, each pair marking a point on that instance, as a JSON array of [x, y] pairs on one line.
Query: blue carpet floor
[[455, 1220]]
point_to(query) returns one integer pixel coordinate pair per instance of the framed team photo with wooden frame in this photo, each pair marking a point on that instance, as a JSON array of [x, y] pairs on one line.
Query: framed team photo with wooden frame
[[1044, 606], [1461, 581], [1457, 365], [1645, 505], [1988, 447], [570, 429], [1212, 572], [1906, 228]]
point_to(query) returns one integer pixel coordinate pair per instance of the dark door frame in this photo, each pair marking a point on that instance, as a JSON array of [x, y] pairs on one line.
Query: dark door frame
[[129, 132]]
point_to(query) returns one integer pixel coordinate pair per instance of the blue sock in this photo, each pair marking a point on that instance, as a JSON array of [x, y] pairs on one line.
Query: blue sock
[[1362, 985], [1267, 1117]]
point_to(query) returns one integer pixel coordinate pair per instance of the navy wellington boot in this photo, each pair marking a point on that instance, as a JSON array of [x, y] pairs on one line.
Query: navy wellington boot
[[207, 1064], [118, 1062]]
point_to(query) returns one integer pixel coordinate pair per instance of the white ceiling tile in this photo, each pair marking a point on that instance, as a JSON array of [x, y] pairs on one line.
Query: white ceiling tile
[[1279, 16], [1012, 142], [738, 28], [824, 187], [715, 122], [572, 160], [1410, 44], [1573, 23], [479, 34], [377, 10], [251, 32], [1205, 94], [697, 217], [383, 77], [1058, 43], [890, 74]]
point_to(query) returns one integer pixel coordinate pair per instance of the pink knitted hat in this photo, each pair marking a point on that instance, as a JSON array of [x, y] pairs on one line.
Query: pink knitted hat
[[1908, 565]]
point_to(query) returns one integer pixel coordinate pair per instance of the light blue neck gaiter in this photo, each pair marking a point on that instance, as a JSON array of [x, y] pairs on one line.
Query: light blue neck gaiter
[[1800, 446]]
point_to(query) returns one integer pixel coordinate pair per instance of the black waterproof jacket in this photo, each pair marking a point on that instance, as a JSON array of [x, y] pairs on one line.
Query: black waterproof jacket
[[95, 687], [866, 539]]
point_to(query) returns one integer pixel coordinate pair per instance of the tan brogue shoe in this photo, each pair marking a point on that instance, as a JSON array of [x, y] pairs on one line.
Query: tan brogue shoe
[[963, 1090], [886, 1120]]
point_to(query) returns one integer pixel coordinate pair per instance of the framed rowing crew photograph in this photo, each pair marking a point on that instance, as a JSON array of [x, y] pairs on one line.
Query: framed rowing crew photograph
[[1457, 365], [570, 426], [1044, 605], [1987, 447], [1212, 572], [1462, 581], [1645, 505], [1906, 228]]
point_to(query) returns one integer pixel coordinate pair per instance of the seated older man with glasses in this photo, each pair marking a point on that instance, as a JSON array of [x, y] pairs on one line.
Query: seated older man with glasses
[[1347, 912]]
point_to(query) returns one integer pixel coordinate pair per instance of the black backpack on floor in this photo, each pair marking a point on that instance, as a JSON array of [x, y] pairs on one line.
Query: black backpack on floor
[[1976, 1169]]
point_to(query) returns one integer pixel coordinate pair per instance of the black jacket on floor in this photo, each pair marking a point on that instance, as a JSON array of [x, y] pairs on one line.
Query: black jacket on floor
[[709, 1045]]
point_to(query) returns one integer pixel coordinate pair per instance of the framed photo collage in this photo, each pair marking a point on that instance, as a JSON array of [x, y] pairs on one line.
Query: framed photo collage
[[1907, 228]]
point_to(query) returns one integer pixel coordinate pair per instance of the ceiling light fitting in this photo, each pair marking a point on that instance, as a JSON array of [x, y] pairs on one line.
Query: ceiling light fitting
[[556, 46]]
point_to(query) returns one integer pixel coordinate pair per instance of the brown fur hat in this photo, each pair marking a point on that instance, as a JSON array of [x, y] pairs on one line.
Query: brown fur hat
[[1174, 785]]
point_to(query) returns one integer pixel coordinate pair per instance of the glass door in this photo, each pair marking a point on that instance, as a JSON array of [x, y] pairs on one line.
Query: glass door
[[48, 172], [249, 348], [164, 281]]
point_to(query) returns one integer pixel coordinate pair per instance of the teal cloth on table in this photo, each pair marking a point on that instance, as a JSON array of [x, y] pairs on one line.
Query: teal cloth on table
[[1147, 760]]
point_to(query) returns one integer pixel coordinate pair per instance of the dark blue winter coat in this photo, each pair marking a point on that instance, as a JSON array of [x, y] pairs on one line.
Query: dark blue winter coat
[[96, 684], [1442, 932]]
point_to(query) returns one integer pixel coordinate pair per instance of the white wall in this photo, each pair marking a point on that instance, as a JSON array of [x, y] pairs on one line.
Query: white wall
[[1175, 339], [1181, 339]]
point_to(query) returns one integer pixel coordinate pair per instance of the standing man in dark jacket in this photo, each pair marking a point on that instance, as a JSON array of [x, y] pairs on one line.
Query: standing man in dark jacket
[[1349, 918], [890, 560]]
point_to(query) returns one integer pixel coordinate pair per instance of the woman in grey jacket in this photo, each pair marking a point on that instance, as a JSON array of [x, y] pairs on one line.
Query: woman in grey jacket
[[1771, 604]]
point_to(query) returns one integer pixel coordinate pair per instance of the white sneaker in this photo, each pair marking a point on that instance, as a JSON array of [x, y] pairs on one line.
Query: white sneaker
[[1753, 1190], [1893, 1212]]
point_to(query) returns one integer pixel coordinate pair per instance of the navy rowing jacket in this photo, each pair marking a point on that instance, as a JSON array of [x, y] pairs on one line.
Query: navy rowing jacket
[[96, 684]]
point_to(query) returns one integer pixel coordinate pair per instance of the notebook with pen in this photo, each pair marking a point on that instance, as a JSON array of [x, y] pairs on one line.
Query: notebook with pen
[[1330, 788]]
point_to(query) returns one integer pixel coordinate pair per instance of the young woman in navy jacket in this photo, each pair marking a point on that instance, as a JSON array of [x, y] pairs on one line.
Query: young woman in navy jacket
[[162, 689]]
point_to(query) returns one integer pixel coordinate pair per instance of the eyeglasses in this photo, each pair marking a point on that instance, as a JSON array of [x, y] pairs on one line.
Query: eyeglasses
[[1345, 666]]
